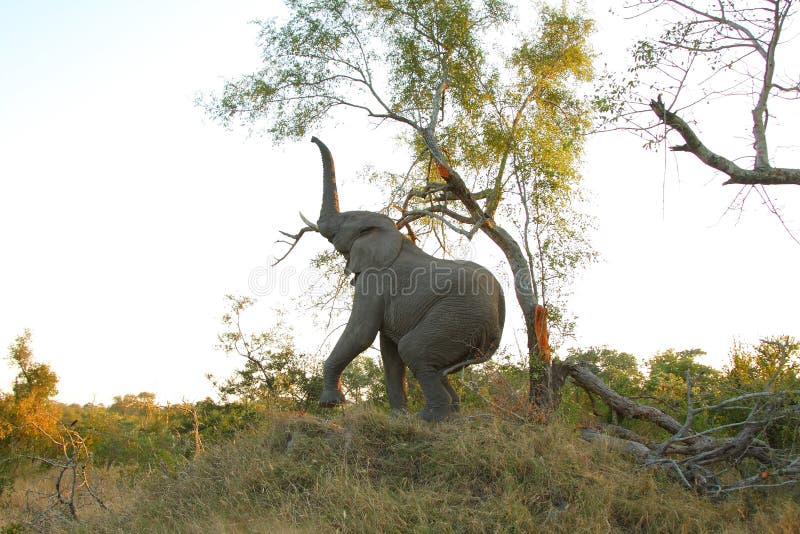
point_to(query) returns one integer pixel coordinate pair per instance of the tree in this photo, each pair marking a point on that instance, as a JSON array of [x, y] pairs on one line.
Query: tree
[[363, 380], [274, 372], [772, 365], [720, 49], [487, 124], [29, 412], [668, 372]]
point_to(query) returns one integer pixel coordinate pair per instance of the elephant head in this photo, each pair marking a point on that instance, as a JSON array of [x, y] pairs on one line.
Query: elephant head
[[366, 239], [432, 331]]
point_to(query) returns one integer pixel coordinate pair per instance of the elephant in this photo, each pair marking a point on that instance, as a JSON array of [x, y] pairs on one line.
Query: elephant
[[433, 316]]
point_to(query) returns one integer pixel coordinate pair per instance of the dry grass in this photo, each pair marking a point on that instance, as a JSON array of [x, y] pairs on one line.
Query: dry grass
[[32, 499], [366, 472]]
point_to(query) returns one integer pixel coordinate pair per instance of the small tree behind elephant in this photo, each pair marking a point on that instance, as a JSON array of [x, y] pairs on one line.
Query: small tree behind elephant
[[433, 316]]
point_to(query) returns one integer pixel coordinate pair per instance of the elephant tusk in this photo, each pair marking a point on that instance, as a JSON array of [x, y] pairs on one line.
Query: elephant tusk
[[309, 223]]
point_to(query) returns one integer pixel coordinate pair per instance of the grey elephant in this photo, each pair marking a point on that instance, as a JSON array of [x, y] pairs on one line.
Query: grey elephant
[[434, 316]]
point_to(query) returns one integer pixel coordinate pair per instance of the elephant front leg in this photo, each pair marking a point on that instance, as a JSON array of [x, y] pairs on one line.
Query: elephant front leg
[[356, 338], [394, 371], [331, 387]]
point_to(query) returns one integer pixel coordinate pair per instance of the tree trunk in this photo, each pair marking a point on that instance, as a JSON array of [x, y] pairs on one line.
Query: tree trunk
[[544, 386]]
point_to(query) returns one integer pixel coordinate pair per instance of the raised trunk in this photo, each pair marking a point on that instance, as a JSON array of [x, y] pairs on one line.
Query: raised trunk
[[328, 215]]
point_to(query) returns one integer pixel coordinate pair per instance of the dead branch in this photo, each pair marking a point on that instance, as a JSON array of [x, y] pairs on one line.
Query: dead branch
[[72, 476], [765, 175], [440, 213], [295, 238], [424, 193], [708, 41], [699, 458], [636, 449], [190, 409]]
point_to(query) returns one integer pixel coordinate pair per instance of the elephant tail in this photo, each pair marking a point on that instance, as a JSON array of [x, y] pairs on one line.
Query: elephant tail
[[477, 356], [484, 348], [501, 314]]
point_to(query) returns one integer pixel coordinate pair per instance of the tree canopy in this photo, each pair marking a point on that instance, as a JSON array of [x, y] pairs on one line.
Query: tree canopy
[[28, 412]]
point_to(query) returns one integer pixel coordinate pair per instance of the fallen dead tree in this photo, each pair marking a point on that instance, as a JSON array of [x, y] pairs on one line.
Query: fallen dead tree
[[711, 461]]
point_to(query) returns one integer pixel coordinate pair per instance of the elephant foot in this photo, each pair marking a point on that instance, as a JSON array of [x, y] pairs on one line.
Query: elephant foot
[[331, 398], [434, 414], [398, 412]]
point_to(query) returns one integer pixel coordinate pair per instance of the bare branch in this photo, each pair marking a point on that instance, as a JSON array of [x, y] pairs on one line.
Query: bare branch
[[295, 238], [698, 459], [72, 475], [439, 213], [736, 174], [726, 21]]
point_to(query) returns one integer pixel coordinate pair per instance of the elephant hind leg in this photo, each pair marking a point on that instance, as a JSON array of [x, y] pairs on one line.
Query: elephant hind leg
[[424, 356], [437, 396], [455, 402], [446, 337]]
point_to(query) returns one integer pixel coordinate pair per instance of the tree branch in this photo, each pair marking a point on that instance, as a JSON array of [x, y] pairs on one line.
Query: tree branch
[[310, 227], [736, 174], [698, 459], [439, 213]]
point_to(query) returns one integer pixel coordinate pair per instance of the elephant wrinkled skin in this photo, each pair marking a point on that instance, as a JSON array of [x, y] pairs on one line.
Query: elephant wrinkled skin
[[434, 316]]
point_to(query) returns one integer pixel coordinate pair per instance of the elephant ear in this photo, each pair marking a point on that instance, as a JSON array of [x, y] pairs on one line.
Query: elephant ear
[[376, 248]]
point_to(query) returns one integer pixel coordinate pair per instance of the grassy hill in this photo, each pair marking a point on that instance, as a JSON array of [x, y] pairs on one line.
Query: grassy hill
[[363, 471]]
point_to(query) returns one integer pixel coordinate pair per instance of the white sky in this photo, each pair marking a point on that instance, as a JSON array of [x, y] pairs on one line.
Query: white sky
[[126, 215]]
